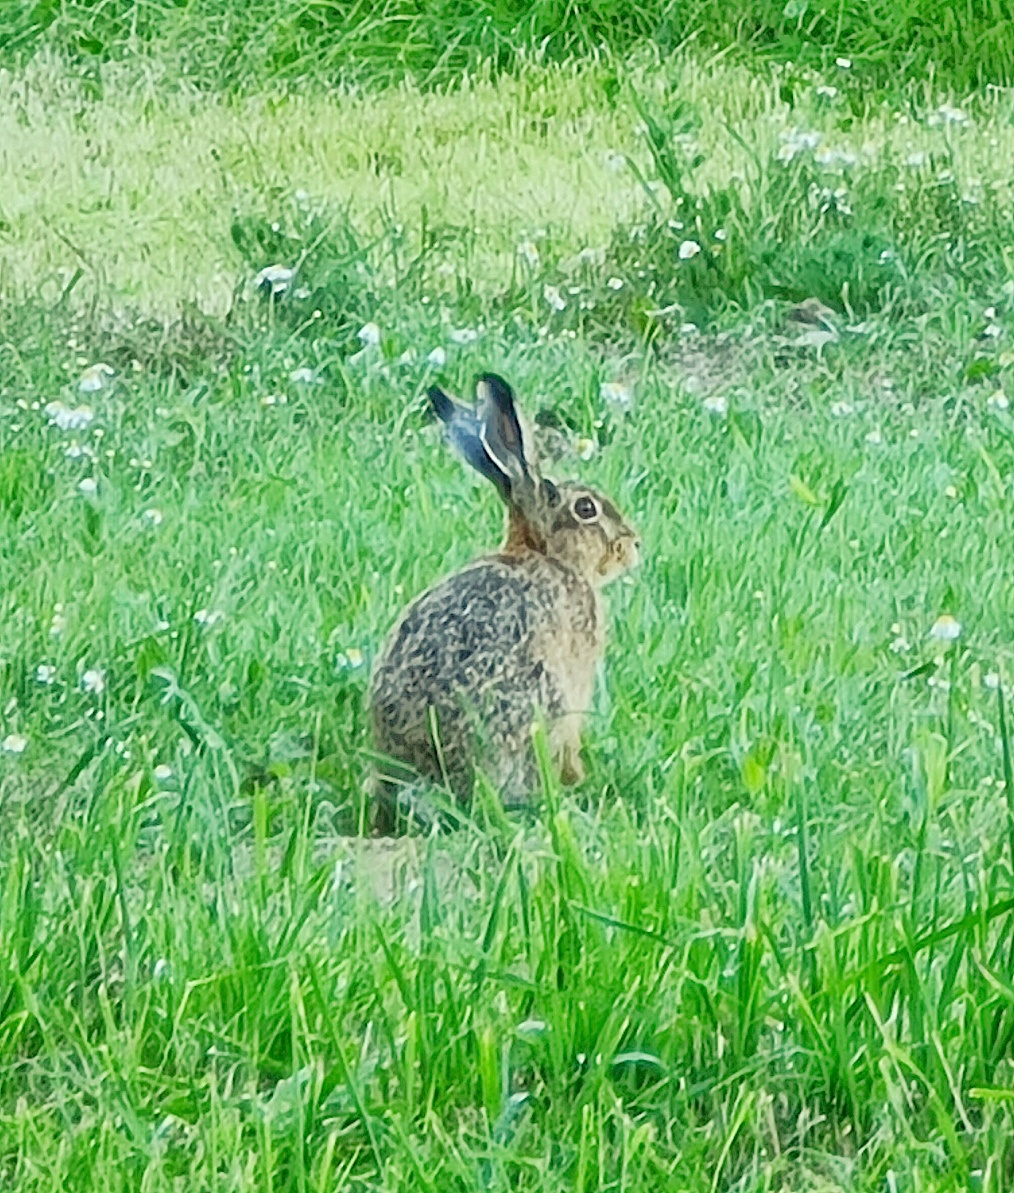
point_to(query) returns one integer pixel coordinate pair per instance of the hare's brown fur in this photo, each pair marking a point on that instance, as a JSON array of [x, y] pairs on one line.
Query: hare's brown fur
[[475, 659]]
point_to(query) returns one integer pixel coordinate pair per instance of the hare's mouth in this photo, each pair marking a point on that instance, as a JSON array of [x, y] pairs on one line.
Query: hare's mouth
[[628, 550], [624, 553]]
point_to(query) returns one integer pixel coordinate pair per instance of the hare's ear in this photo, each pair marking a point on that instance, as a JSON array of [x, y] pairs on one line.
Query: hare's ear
[[549, 493], [464, 430], [502, 430]]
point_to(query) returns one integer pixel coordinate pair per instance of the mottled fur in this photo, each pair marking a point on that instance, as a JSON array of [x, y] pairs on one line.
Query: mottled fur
[[473, 660]]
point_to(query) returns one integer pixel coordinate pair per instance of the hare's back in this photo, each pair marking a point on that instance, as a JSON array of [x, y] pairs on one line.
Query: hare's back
[[475, 628]]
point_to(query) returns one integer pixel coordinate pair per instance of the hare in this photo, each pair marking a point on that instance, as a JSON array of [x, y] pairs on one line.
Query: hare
[[476, 658]]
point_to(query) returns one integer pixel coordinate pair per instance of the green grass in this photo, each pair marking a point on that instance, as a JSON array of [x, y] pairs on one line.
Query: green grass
[[216, 43], [769, 942], [449, 185], [194, 990]]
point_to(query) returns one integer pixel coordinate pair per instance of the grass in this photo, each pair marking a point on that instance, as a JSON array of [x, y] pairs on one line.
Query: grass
[[91, 182], [768, 943], [556, 156], [219, 45]]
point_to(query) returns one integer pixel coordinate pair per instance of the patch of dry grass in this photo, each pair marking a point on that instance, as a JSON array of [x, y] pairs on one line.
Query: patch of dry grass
[[138, 186]]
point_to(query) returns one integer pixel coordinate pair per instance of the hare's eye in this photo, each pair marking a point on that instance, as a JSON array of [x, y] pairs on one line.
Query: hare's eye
[[586, 509]]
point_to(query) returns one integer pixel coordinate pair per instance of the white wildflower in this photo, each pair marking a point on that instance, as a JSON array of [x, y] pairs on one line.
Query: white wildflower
[[528, 253], [584, 448], [275, 400], [153, 517], [45, 673], [208, 617], [303, 376], [991, 680], [989, 313], [843, 63], [463, 335], [837, 157], [874, 437], [688, 249], [89, 486], [275, 278], [369, 335], [94, 378], [997, 401], [437, 358], [946, 628], [796, 142], [951, 491], [842, 409], [349, 660], [162, 773], [14, 743], [615, 392], [58, 623], [65, 419], [689, 329], [992, 332], [826, 92], [93, 681], [951, 115], [717, 405], [552, 296], [900, 644], [915, 160], [615, 283], [721, 234]]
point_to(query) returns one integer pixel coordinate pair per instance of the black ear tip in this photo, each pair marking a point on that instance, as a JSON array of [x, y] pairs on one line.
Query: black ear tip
[[441, 403], [500, 391]]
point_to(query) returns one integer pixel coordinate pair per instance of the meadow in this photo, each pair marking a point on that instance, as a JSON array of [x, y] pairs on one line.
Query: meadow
[[765, 299]]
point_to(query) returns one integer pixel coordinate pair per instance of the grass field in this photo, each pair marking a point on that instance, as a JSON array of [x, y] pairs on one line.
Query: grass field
[[219, 44], [768, 944]]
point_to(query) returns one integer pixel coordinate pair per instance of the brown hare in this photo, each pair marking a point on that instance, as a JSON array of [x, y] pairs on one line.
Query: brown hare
[[476, 658]]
